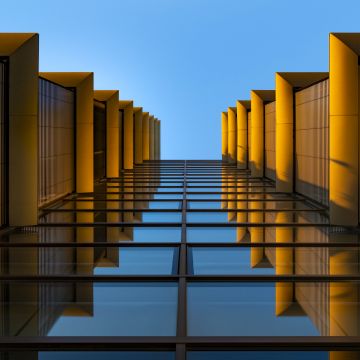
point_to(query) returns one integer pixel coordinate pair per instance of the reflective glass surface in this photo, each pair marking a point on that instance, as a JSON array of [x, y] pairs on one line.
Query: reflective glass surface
[[265, 355], [203, 196], [204, 205], [204, 217], [226, 261], [138, 261], [168, 196], [234, 258], [221, 235], [163, 234], [164, 205], [272, 309], [91, 309], [161, 217], [90, 355], [88, 260]]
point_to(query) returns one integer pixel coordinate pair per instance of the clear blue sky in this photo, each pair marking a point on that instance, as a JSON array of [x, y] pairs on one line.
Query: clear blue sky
[[183, 60]]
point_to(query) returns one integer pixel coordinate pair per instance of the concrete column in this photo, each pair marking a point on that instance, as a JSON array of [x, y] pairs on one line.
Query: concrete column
[[284, 144], [23, 53], [224, 135], [145, 136], [111, 98], [127, 106], [344, 134], [138, 113], [151, 137], [83, 82], [242, 133], [232, 135]]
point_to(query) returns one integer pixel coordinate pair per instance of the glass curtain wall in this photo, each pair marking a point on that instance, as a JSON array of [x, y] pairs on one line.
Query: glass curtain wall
[[173, 276]]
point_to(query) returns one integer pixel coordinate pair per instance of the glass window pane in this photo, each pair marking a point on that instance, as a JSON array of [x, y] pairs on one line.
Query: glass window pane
[[168, 196], [138, 261], [207, 217], [213, 234], [204, 205], [90, 355], [266, 309], [91, 309], [262, 355], [164, 205], [163, 234], [161, 217], [227, 261], [89, 261], [168, 189], [203, 196]]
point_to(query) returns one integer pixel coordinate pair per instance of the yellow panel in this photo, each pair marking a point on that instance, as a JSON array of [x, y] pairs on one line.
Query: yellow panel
[[11, 42], [23, 126], [257, 135], [344, 134], [111, 97], [232, 135], [138, 118], [129, 136], [157, 139], [284, 135], [145, 136], [270, 121], [224, 135], [151, 137], [242, 135]]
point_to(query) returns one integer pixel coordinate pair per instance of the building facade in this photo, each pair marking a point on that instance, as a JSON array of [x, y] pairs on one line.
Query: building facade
[[108, 252]]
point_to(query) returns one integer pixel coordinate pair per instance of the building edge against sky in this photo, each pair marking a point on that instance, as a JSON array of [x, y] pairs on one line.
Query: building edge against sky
[[59, 118], [304, 135]]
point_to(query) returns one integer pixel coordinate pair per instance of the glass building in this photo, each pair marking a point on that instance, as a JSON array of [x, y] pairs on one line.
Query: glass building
[[108, 252]]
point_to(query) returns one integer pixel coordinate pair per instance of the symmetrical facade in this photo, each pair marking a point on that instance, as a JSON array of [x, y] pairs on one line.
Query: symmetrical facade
[[108, 252]]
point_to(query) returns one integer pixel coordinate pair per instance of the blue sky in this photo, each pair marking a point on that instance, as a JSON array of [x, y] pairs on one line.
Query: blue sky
[[183, 60]]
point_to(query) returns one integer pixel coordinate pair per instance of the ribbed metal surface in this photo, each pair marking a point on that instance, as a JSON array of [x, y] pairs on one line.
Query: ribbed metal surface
[[56, 141], [249, 137], [270, 140], [99, 141], [312, 142], [121, 138], [2, 149]]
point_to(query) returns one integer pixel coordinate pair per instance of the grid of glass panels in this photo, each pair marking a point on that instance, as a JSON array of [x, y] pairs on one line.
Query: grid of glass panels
[[217, 267]]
